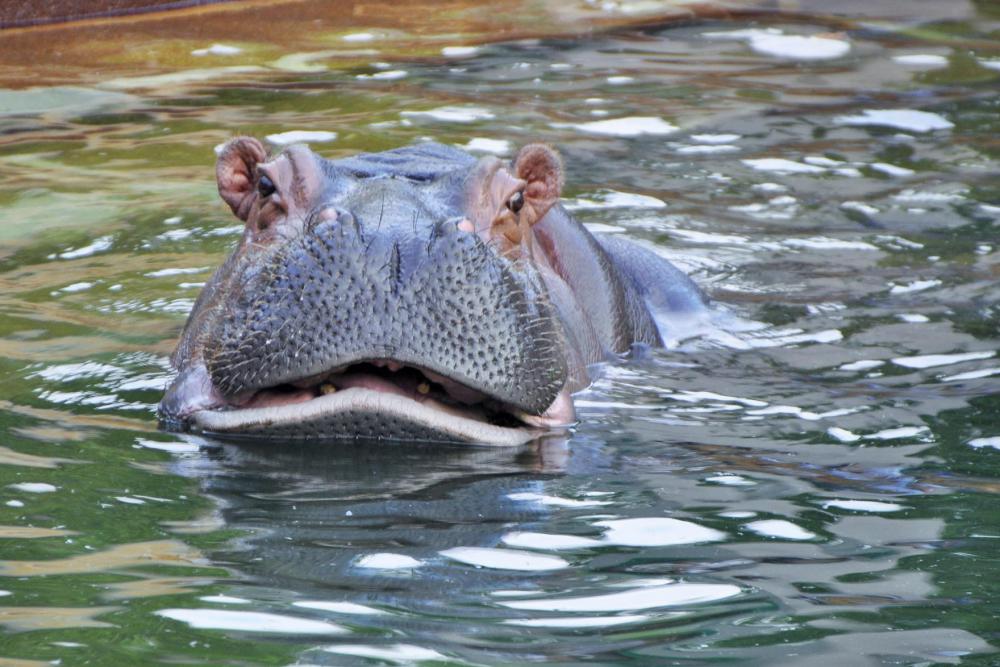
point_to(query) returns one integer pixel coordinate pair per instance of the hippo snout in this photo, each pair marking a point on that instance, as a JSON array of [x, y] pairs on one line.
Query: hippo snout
[[343, 295]]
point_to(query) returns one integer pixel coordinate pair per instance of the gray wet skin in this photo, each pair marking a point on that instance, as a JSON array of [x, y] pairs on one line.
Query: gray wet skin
[[415, 294]]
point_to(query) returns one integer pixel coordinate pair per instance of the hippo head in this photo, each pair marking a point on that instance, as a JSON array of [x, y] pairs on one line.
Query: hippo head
[[388, 295]]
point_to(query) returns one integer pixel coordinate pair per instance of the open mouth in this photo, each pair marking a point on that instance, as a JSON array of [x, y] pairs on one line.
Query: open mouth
[[378, 399]]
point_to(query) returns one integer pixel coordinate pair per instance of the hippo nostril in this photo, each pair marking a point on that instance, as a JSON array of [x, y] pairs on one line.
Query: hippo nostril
[[446, 227], [332, 215], [347, 219], [321, 215]]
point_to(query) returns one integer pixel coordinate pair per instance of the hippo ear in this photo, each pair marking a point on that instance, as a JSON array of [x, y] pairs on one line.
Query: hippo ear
[[234, 172], [541, 168]]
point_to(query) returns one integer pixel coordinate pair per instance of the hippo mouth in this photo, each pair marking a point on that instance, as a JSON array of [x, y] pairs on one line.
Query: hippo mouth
[[378, 399]]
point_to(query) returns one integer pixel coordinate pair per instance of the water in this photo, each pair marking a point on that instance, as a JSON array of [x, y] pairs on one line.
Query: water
[[811, 478]]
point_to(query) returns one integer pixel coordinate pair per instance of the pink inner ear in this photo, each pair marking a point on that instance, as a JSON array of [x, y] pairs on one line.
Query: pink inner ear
[[541, 167], [234, 172]]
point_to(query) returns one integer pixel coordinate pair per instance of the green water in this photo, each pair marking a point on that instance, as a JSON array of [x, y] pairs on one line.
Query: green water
[[811, 478]]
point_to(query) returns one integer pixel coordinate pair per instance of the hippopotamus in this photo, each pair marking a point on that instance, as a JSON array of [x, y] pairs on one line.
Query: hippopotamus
[[414, 294]]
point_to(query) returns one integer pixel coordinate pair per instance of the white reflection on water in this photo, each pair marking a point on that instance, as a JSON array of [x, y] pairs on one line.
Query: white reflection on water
[[928, 60], [504, 559], [864, 505], [162, 273], [637, 532], [546, 541], [387, 75], [903, 119], [703, 149], [931, 360], [300, 137], [577, 621], [657, 531], [613, 199], [555, 501], [358, 37], [899, 433], [650, 597], [842, 434], [715, 138], [250, 621], [486, 145], [914, 286], [75, 287], [730, 479], [892, 169], [172, 446], [388, 561], [338, 607], [779, 528], [459, 51], [87, 369], [396, 653], [452, 114], [224, 599], [33, 487], [696, 396], [978, 443], [630, 126], [99, 244], [972, 375], [783, 166], [218, 50], [774, 42], [862, 365]]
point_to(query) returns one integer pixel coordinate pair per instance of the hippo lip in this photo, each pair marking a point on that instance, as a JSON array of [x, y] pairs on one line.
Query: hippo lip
[[437, 407]]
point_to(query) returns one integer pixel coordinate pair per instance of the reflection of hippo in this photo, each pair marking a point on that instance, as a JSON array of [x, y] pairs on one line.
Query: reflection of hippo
[[413, 294]]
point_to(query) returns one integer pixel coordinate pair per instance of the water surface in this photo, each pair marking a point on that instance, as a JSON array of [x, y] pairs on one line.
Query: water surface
[[809, 478]]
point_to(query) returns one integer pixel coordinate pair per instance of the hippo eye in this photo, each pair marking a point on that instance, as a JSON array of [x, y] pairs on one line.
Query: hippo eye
[[516, 201], [265, 186]]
